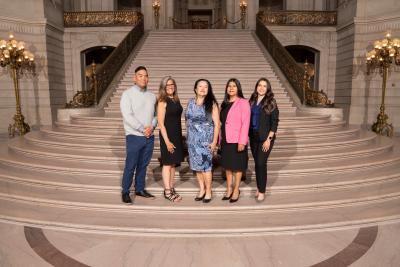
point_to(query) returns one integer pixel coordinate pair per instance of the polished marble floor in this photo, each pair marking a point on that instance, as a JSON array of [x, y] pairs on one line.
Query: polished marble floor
[[366, 247]]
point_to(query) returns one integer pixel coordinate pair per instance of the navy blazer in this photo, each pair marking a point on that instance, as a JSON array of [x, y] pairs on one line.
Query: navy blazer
[[267, 123]]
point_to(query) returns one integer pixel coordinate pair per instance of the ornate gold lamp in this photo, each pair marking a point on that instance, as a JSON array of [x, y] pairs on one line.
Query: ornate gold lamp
[[385, 52], [14, 56], [156, 12], [243, 11]]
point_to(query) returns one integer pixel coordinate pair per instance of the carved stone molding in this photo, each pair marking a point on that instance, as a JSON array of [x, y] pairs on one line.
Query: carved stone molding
[[318, 40], [22, 26]]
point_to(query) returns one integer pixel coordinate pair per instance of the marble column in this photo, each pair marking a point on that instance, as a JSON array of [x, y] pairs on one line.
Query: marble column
[[169, 14], [252, 10], [230, 13], [147, 11]]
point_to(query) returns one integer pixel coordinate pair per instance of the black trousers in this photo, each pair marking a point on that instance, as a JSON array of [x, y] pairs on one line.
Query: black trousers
[[260, 160]]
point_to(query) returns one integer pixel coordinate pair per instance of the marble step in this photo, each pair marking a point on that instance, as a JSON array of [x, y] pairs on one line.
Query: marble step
[[110, 111], [261, 219], [282, 157], [292, 148], [283, 129], [300, 138], [116, 104], [260, 64], [187, 93], [59, 163], [85, 199], [184, 99], [283, 121], [186, 184]]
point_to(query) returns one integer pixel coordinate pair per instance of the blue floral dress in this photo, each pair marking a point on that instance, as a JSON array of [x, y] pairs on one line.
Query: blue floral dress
[[200, 132]]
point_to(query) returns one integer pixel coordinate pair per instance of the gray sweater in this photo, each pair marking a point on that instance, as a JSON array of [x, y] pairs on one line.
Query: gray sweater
[[138, 110]]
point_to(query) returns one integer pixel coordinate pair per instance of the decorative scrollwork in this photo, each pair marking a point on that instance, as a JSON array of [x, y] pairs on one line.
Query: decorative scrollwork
[[102, 18], [84, 99], [314, 98], [309, 18]]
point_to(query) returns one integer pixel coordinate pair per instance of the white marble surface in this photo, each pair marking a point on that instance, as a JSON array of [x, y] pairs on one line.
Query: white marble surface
[[282, 250], [275, 250], [15, 250]]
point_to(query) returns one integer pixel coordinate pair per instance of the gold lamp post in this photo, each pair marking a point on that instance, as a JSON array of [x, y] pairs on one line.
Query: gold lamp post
[[385, 52], [156, 11], [14, 56], [243, 10]]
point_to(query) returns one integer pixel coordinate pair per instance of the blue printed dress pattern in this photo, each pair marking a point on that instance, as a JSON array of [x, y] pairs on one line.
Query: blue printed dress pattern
[[200, 132]]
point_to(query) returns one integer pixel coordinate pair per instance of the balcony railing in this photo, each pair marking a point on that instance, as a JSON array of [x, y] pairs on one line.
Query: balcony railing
[[298, 18], [101, 18]]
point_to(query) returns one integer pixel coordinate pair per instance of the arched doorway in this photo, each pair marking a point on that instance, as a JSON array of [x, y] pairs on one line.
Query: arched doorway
[[98, 55], [302, 54]]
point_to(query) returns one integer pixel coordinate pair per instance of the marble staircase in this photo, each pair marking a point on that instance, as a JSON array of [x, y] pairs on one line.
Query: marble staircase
[[323, 174]]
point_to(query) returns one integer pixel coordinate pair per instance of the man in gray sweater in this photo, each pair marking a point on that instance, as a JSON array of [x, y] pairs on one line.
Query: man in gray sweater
[[138, 113]]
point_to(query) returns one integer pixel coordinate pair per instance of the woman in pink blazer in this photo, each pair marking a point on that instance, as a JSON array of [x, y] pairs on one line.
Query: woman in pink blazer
[[235, 121]]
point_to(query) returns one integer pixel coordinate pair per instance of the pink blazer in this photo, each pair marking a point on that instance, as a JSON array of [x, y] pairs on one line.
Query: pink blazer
[[238, 122]]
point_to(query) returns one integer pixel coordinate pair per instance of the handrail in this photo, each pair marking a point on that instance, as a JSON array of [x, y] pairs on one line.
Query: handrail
[[116, 59], [298, 18], [293, 72]]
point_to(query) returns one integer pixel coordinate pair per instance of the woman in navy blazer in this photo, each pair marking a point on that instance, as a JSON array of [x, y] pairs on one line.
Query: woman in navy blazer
[[263, 126], [235, 121]]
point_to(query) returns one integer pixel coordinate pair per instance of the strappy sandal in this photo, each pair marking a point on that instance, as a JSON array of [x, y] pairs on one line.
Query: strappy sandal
[[176, 194], [171, 196]]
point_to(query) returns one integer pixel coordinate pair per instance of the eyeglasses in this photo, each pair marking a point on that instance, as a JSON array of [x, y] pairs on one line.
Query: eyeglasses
[[169, 85]]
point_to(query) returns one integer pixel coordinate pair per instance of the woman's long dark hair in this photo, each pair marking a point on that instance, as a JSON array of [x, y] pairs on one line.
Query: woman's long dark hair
[[239, 92], [209, 100], [268, 103]]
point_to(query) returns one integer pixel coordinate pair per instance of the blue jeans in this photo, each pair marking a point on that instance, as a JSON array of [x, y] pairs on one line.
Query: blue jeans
[[139, 150]]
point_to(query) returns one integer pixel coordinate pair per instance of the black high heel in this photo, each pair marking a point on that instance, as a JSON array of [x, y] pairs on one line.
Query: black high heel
[[200, 198], [234, 200], [227, 197], [207, 200]]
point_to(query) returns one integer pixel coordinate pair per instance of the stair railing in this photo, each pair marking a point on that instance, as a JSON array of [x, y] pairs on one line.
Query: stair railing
[[102, 77], [116, 59], [298, 77]]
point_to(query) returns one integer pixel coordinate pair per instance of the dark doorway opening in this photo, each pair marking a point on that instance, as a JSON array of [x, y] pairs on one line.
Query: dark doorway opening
[[98, 55], [200, 18], [301, 54]]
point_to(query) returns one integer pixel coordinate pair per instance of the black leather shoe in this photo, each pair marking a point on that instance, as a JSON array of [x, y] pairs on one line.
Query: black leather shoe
[[126, 198], [227, 197], [144, 194], [233, 200], [200, 198], [206, 200]]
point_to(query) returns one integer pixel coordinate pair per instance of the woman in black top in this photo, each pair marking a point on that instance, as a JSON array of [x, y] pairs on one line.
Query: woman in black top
[[263, 126], [169, 111]]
